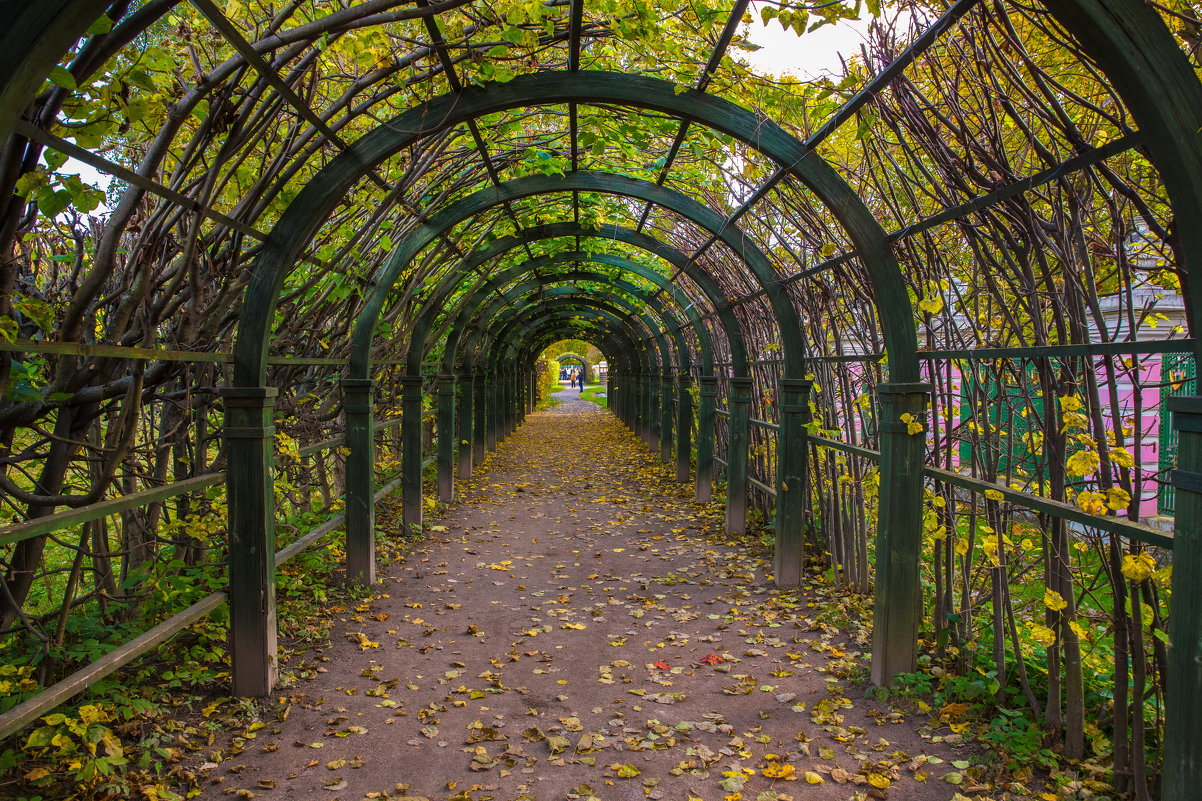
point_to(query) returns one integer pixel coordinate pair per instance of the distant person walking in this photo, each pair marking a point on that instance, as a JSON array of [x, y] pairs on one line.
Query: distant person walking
[[581, 381]]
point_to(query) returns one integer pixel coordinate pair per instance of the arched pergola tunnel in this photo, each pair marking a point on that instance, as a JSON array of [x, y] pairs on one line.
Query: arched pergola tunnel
[[575, 360], [721, 306]]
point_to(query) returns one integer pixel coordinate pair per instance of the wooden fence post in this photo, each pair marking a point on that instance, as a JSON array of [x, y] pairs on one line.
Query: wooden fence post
[[480, 417], [360, 480], [901, 423], [250, 439], [1183, 696], [708, 397], [736, 455], [665, 417], [684, 426], [467, 394], [411, 452], [789, 562], [446, 437]]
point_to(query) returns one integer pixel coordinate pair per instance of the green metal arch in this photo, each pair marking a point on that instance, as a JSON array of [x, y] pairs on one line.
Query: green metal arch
[[789, 326], [478, 295], [474, 297], [503, 344], [514, 295], [730, 326], [630, 355], [320, 196], [614, 304], [503, 332]]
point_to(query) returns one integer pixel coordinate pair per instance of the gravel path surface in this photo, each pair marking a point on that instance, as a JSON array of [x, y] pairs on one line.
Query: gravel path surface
[[575, 626]]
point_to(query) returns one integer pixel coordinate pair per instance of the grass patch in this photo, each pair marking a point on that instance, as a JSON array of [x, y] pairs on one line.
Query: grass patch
[[595, 395]]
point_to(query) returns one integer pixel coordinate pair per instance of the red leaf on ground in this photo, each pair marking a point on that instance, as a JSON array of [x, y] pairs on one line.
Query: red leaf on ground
[[711, 659], [662, 665]]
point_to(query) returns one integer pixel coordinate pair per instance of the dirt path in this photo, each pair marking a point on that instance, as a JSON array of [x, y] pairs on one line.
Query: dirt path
[[573, 628]]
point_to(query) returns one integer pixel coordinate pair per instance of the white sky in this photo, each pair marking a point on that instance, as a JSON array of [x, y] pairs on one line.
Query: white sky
[[808, 56]]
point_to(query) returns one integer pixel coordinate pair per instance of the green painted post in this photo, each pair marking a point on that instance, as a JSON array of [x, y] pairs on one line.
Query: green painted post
[[736, 455], [480, 425], [508, 405], [466, 416], [665, 418], [249, 439], [1183, 697], [789, 562], [636, 404], [446, 438], [652, 411], [708, 398], [357, 402], [411, 452], [494, 382], [899, 530], [684, 426]]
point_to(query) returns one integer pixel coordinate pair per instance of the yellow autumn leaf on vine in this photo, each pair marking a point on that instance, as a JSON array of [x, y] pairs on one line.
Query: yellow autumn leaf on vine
[[1078, 629], [1053, 600], [1139, 566], [912, 425], [1117, 498], [1092, 502], [1082, 463], [1122, 457], [994, 495], [1042, 635], [1070, 403], [931, 305]]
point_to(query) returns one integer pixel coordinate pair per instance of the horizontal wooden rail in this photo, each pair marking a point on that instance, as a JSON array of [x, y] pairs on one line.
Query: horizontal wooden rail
[[1111, 525], [25, 713], [162, 355], [761, 485], [1136, 347], [15, 532]]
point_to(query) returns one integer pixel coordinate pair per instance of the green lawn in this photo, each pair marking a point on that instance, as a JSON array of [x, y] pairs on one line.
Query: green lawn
[[595, 394]]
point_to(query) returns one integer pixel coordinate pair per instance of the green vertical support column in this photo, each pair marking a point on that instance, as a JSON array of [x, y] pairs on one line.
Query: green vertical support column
[[507, 406], [789, 561], [519, 399], [480, 425], [411, 452], [1183, 697], [446, 438], [493, 384], [532, 392], [636, 404], [466, 417], [249, 440], [707, 402], [899, 530], [360, 480], [736, 455], [665, 417], [684, 426], [651, 412]]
